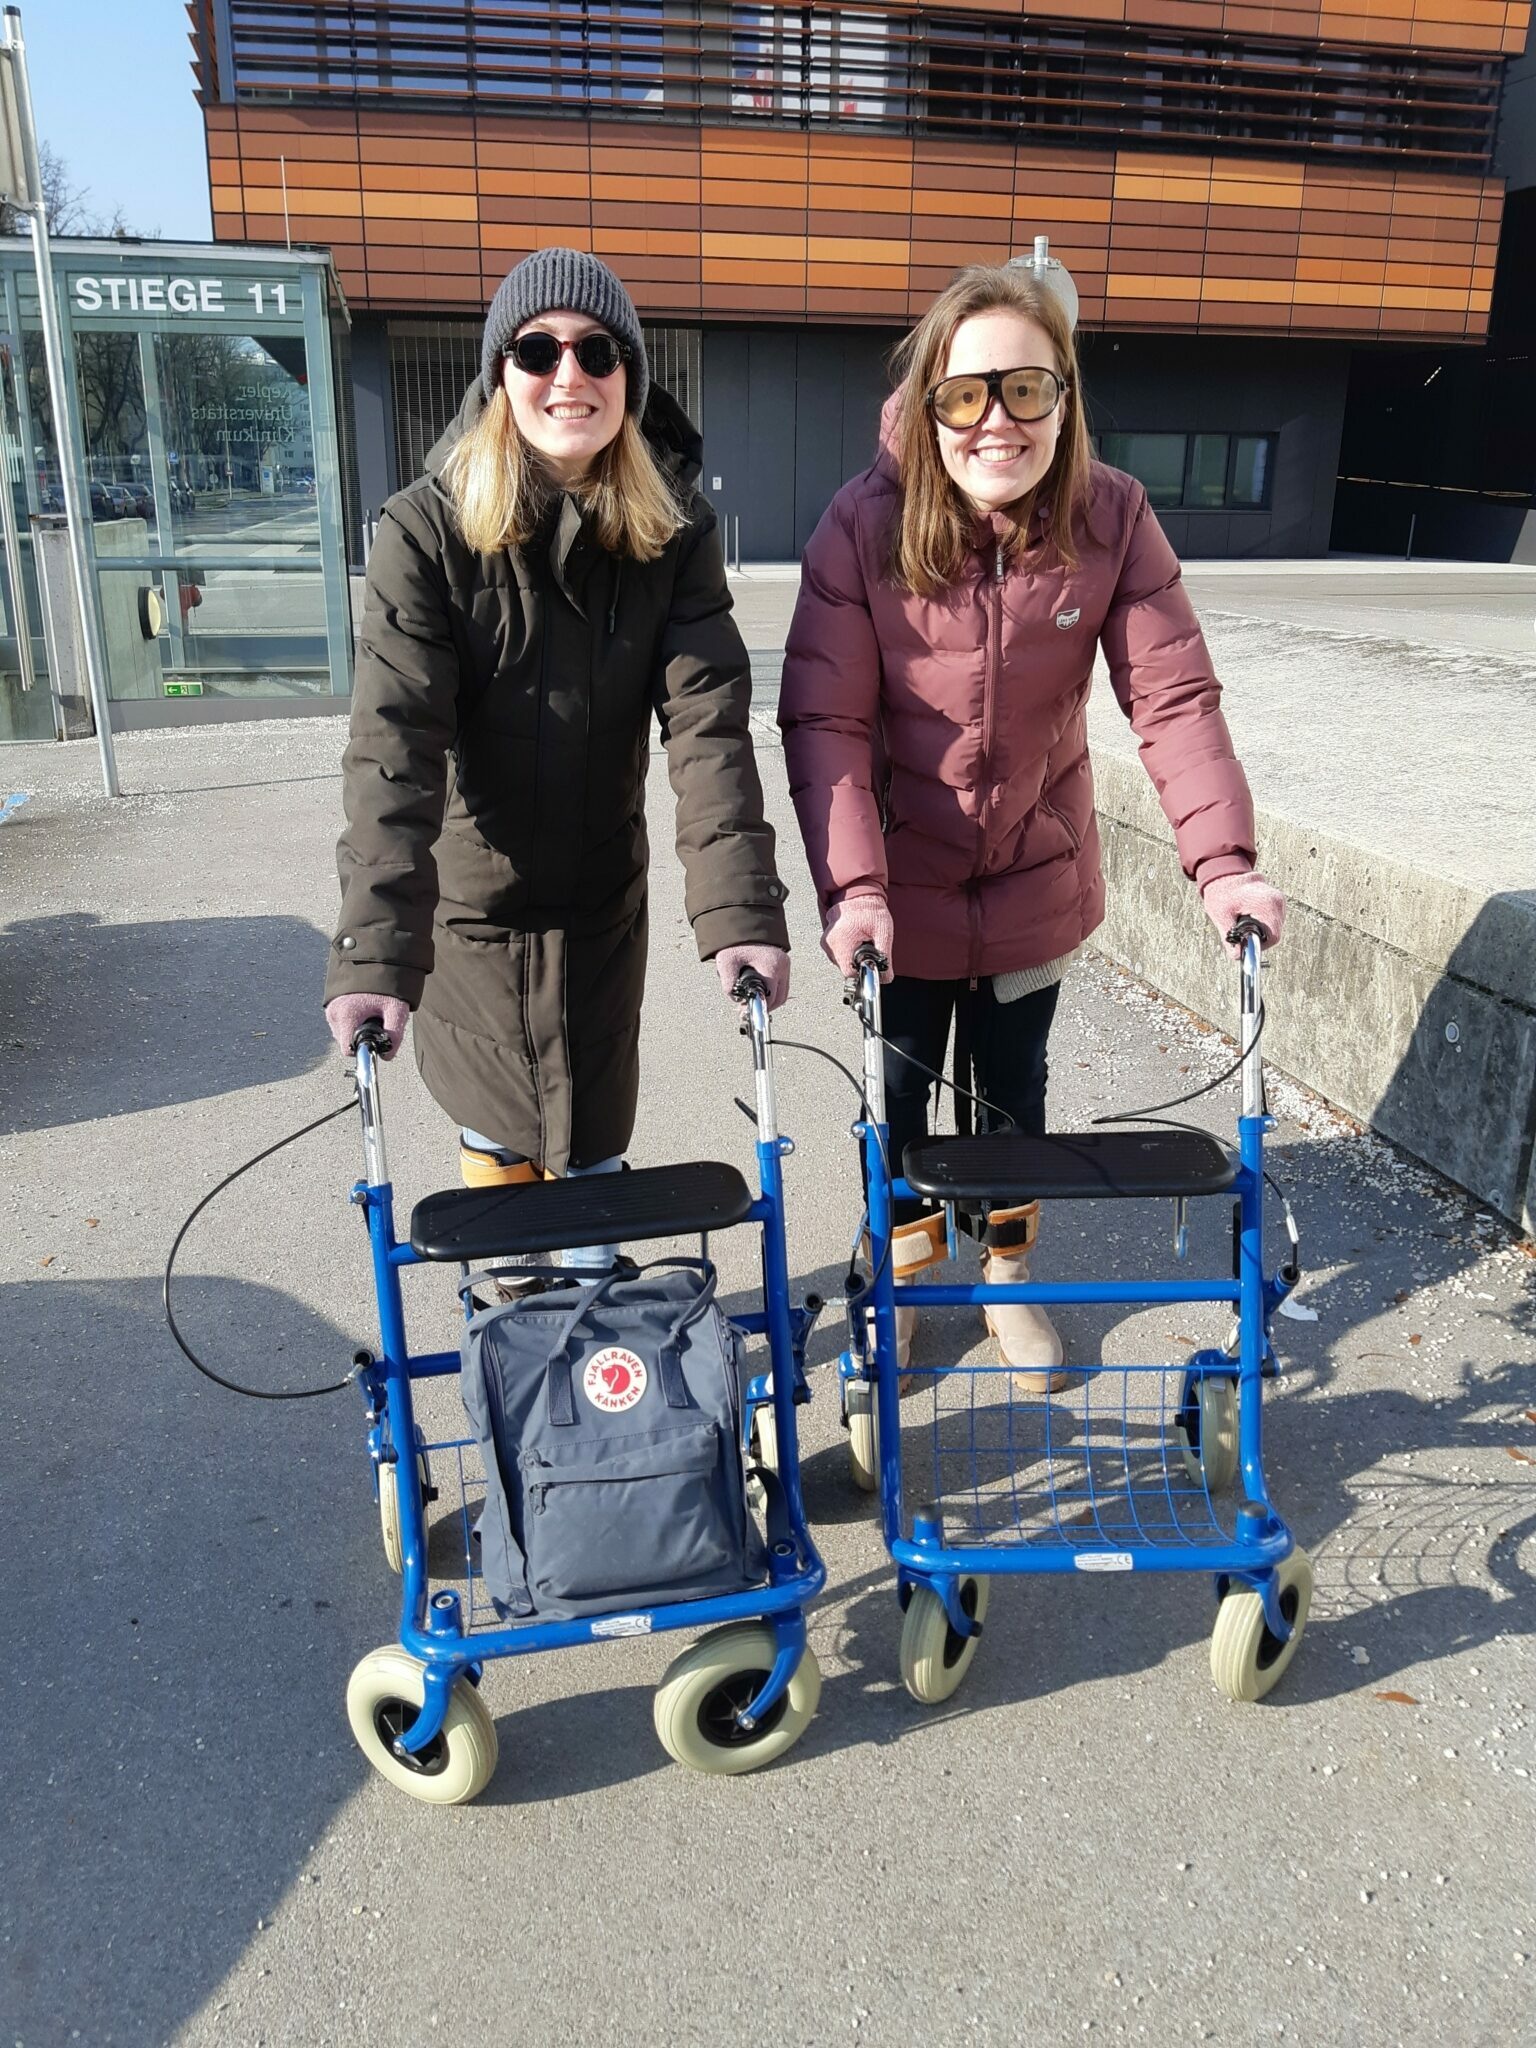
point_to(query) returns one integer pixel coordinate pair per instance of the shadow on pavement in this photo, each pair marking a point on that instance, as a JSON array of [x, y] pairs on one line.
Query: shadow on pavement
[[184, 1630], [102, 1020]]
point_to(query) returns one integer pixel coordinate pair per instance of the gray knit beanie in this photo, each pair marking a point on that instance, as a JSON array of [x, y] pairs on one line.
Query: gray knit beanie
[[564, 281]]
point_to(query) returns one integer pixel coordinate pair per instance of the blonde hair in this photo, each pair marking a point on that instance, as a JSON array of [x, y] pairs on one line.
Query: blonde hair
[[498, 491], [933, 535]]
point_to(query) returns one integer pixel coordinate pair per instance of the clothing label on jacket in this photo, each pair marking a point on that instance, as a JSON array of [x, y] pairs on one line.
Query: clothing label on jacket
[[1104, 1561], [614, 1380]]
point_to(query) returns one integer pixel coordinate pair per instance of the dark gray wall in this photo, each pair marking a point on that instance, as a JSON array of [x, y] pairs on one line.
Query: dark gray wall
[[792, 413], [1145, 383], [789, 415], [374, 409]]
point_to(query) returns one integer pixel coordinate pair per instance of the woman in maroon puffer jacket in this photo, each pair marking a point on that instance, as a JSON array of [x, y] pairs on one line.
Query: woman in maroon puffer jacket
[[934, 714]]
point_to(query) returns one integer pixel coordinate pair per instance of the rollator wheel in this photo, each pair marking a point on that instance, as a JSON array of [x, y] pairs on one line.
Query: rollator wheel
[[1206, 1427], [933, 1658], [389, 1510], [1246, 1659], [863, 1435], [708, 1685], [765, 1437], [384, 1696]]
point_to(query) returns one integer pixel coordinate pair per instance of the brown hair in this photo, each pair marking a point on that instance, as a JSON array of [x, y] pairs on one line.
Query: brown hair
[[497, 491], [933, 534]]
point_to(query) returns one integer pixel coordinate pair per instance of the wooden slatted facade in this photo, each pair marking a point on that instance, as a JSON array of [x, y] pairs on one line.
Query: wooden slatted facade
[[428, 188]]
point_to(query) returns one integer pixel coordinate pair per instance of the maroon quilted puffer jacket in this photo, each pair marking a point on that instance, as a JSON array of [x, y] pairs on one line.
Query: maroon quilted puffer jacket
[[937, 747]]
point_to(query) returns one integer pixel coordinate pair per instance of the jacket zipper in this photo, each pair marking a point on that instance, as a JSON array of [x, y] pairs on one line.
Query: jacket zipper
[[994, 664], [990, 676]]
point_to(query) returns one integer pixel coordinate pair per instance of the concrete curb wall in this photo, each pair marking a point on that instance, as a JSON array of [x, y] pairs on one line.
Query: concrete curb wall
[[1405, 999]]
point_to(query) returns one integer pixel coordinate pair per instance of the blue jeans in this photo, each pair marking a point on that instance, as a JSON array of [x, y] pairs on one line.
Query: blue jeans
[[594, 1257]]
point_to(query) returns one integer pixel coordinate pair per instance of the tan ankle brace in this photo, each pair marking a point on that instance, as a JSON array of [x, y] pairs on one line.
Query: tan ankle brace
[[484, 1170], [1011, 1230], [919, 1244]]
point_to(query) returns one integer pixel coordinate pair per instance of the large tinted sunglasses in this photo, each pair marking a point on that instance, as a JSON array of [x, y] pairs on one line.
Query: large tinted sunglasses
[[1027, 394], [538, 354]]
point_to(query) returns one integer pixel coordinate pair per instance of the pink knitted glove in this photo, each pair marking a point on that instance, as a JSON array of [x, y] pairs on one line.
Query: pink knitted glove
[[347, 1015], [856, 921], [771, 962], [1229, 897]]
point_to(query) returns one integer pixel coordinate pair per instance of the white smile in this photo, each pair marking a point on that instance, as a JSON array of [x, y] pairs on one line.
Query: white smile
[[571, 412], [995, 457]]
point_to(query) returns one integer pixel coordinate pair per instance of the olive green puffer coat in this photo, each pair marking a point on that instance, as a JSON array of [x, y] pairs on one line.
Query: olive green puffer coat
[[493, 866]]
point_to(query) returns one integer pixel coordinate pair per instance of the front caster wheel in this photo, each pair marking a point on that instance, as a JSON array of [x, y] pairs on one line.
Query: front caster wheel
[[1206, 1428], [863, 1435], [1246, 1659], [384, 1696], [709, 1685], [934, 1658]]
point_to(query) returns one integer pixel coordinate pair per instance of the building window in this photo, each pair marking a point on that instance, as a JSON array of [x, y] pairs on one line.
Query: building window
[[1155, 460], [1196, 472]]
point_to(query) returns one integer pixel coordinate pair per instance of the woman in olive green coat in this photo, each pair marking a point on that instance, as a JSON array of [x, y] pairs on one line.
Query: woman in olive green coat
[[552, 583]]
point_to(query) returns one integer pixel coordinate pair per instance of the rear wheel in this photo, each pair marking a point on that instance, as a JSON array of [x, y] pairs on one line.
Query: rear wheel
[[1207, 1432], [389, 1509], [863, 1434]]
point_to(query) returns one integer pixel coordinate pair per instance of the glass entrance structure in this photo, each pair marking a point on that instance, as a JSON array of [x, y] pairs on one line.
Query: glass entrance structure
[[217, 457]]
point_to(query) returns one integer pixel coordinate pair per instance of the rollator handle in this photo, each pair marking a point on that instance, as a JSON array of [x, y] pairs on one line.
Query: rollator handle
[[371, 1033], [748, 983], [870, 955], [1247, 928]]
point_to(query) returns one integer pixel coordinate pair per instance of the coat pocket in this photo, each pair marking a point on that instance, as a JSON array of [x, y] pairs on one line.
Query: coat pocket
[[610, 1515], [1048, 810]]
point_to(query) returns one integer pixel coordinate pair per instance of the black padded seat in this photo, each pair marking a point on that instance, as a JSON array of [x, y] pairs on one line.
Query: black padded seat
[[471, 1224], [1003, 1167]]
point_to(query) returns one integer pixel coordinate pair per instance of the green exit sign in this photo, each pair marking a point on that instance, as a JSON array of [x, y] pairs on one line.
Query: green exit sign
[[183, 689]]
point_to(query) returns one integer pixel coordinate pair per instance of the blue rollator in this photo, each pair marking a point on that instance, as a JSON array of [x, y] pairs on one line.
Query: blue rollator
[[1094, 1481], [743, 1693]]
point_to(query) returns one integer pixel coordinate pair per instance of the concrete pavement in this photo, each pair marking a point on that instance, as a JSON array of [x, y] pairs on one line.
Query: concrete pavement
[[1088, 1842]]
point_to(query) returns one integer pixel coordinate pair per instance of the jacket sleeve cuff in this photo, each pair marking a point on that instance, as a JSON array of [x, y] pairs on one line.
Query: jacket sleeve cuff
[[1218, 864], [347, 975], [740, 924]]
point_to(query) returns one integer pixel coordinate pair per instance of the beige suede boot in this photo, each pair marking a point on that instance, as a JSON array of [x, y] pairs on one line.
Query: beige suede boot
[[1026, 1336]]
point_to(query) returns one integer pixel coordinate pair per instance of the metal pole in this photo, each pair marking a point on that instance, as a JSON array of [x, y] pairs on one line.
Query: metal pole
[[1413, 520], [18, 604], [71, 465]]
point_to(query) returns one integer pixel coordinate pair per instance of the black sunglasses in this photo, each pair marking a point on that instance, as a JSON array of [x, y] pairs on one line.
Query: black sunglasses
[[1027, 394], [538, 354]]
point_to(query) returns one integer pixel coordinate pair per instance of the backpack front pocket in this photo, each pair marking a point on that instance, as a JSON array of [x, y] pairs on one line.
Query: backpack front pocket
[[606, 1515]]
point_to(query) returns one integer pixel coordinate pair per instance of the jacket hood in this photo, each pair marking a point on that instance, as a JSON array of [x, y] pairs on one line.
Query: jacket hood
[[889, 414], [675, 440]]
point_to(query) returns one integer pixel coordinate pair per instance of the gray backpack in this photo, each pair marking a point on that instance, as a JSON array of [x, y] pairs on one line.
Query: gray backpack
[[609, 1421]]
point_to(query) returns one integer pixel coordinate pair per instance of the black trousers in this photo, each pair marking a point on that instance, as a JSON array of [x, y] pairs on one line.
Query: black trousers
[[1007, 1053]]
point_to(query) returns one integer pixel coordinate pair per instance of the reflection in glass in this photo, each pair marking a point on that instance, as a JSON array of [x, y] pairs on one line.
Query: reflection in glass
[[239, 451], [204, 632], [1250, 469], [1208, 472], [1155, 460]]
